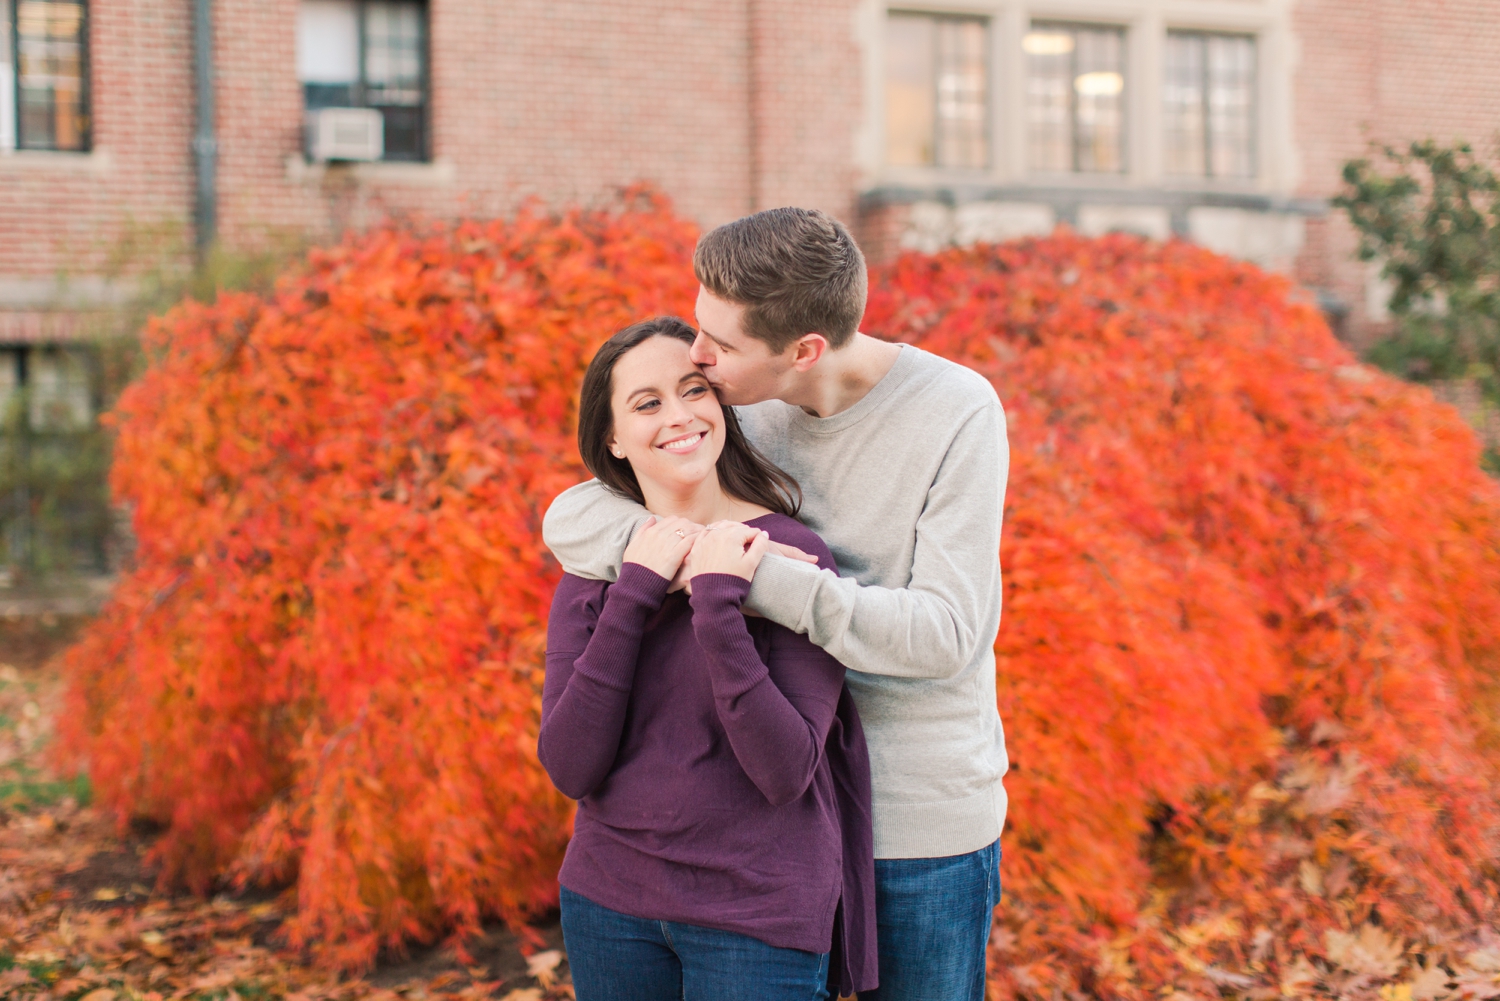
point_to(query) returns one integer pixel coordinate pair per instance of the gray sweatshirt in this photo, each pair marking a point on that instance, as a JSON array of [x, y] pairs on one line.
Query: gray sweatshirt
[[907, 488]]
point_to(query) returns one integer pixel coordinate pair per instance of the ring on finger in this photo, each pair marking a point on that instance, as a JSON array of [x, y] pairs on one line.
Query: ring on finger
[[681, 534]]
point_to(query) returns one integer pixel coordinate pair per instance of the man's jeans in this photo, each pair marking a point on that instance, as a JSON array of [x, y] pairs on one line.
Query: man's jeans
[[616, 957], [934, 916]]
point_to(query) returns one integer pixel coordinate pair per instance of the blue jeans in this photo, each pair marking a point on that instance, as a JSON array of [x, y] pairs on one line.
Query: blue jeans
[[934, 918], [616, 957]]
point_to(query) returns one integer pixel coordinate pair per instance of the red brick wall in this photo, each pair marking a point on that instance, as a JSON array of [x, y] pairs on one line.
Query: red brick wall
[[62, 212], [808, 101], [561, 99], [1387, 71]]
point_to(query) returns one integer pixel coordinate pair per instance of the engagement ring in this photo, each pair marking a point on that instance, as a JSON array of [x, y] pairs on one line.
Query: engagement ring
[[681, 534]]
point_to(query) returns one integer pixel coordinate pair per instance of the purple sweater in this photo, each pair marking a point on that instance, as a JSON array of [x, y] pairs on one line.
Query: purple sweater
[[718, 762]]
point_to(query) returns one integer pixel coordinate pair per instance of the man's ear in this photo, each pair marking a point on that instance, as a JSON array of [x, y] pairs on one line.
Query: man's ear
[[806, 351]]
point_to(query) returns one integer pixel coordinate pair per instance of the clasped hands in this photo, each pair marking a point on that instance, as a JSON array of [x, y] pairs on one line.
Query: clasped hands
[[679, 549]]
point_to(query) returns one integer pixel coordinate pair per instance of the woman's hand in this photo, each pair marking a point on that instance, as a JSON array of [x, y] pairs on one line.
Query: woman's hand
[[728, 547], [661, 544]]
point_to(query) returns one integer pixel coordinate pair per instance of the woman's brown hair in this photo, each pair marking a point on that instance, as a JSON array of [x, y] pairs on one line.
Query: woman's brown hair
[[744, 472]]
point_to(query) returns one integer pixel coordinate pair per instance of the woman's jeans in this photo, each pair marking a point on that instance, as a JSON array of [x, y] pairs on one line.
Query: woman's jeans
[[616, 957], [934, 917]]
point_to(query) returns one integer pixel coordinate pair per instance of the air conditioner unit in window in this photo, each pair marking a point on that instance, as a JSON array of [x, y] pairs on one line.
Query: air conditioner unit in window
[[345, 134]]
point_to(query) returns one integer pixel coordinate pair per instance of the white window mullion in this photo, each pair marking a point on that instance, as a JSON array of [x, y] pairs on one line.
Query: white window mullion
[[7, 82]]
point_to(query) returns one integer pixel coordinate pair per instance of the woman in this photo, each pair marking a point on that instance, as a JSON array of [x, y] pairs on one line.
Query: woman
[[722, 847]]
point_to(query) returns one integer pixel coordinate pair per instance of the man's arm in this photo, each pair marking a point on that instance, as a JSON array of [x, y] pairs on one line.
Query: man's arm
[[932, 627], [588, 527]]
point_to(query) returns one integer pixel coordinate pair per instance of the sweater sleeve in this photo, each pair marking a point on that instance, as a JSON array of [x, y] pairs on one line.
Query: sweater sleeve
[[777, 715], [931, 628], [593, 639], [588, 526]]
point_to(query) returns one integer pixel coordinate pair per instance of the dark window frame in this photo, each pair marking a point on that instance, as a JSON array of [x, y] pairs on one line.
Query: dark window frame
[[358, 97], [987, 90], [1074, 142], [85, 82], [1253, 140]]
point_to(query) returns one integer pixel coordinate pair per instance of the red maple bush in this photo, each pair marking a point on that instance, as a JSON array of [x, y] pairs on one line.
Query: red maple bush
[[1249, 657], [1247, 666]]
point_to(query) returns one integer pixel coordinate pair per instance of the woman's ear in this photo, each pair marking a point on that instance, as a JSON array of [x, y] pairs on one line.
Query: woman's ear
[[614, 449]]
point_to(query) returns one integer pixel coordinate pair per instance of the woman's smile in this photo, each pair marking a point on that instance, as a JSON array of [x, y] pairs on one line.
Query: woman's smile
[[684, 443]]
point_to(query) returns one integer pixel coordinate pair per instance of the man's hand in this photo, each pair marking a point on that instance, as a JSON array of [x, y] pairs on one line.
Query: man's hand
[[661, 544], [792, 552], [728, 547]]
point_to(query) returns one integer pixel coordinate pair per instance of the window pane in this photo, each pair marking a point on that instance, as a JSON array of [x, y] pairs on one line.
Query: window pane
[[1099, 90], [59, 383], [910, 98], [50, 76], [1183, 97], [393, 53], [10, 382], [394, 76], [961, 98], [328, 42], [328, 52], [1231, 105], [1049, 101]]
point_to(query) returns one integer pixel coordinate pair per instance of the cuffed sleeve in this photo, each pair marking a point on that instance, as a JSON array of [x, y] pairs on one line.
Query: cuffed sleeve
[[587, 528]]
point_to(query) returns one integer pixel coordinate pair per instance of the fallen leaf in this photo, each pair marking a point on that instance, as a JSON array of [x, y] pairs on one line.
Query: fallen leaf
[[1338, 878], [1224, 978], [1299, 977], [523, 994], [543, 966], [154, 943], [106, 893], [101, 994], [1430, 983], [15, 977], [1310, 877], [1369, 951]]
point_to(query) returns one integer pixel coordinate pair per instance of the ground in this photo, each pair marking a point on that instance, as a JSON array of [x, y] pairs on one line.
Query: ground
[[80, 917]]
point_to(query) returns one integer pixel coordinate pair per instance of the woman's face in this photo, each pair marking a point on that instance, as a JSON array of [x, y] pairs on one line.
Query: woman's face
[[668, 423]]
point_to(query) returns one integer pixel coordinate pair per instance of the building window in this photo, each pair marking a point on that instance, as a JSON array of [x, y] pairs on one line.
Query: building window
[[368, 54], [937, 91], [1075, 98], [1209, 97], [48, 60]]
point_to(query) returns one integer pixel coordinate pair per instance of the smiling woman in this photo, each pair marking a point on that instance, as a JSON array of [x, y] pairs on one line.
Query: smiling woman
[[722, 846]]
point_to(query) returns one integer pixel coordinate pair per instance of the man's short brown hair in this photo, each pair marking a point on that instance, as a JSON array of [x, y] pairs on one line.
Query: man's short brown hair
[[796, 271]]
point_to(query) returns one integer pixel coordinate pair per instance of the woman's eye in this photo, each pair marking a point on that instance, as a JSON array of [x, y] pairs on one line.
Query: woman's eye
[[647, 405], [696, 391]]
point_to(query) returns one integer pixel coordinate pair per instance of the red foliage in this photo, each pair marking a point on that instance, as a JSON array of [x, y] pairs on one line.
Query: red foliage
[[1246, 666], [1252, 617]]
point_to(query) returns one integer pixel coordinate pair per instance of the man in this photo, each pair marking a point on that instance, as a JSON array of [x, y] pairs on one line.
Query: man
[[902, 458]]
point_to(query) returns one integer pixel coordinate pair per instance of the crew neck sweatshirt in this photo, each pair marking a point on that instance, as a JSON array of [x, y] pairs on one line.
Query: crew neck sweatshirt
[[719, 764], [907, 489]]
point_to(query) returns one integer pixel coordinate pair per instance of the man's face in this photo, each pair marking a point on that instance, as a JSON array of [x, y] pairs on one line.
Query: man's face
[[740, 367]]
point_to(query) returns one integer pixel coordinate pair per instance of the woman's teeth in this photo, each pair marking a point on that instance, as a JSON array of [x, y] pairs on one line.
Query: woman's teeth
[[683, 443]]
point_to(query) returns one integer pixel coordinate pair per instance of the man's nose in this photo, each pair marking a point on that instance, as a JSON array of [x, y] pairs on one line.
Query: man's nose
[[699, 353]]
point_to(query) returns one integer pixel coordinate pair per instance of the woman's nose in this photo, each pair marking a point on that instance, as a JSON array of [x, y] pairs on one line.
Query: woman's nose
[[676, 412]]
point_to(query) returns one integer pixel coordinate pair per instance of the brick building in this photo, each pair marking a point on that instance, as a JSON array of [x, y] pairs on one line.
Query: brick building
[[921, 122]]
